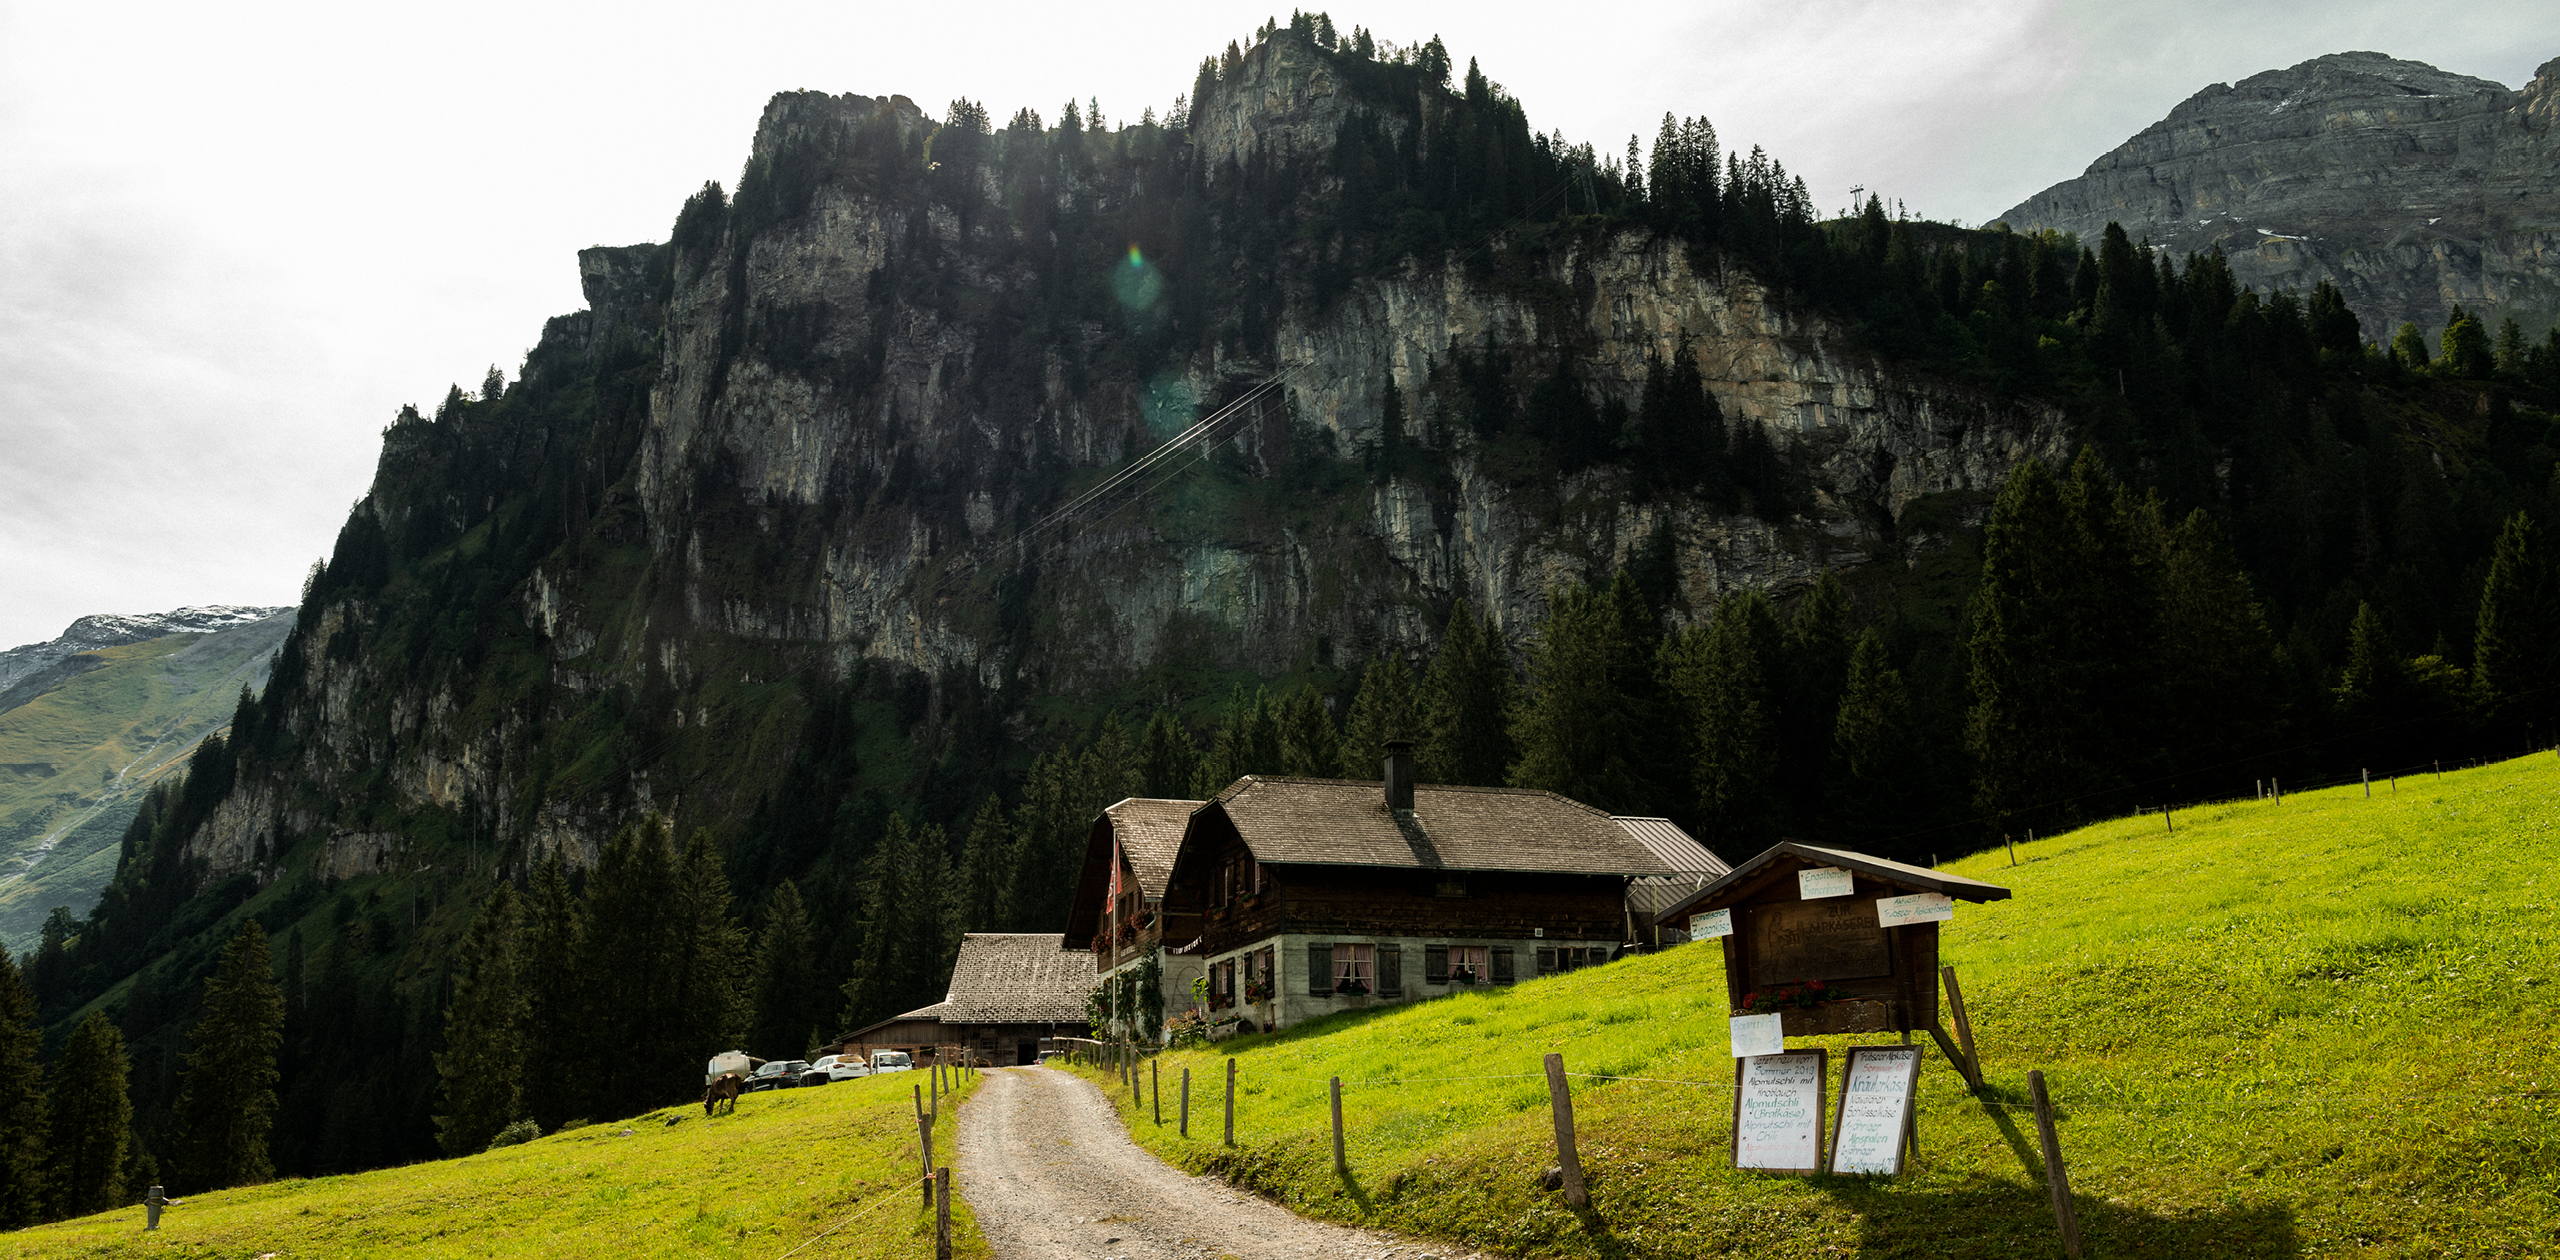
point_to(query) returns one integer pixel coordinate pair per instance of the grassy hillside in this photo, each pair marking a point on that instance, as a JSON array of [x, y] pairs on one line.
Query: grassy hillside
[[75, 760], [2315, 1028], [778, 1174]]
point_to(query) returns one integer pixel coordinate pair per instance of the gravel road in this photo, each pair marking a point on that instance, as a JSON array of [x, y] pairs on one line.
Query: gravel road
[[1047, 1168]]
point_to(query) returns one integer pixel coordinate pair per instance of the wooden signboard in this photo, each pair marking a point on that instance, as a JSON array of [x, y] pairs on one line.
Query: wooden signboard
[[1831, 939], [1873, 1126], [1777, 1111]]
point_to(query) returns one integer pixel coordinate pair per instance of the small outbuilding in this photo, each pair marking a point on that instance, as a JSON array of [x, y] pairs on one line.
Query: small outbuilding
[[1836, 941]]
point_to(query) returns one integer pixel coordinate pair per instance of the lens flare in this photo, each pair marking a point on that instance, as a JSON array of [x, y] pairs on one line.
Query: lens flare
[[1134, 259]]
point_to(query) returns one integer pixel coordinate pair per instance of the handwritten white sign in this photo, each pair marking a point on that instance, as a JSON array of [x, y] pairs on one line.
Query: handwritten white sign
[[1758, 1034], [1777, 1111], [1822, 881], [1916, 908], [1713, 923], [1875, 1109]]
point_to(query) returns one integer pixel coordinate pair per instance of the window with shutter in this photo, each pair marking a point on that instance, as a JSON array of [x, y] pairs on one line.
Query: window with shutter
[[1391, 971], [1319, 970], [1546, 960], [1502, 968], [1435, 964]]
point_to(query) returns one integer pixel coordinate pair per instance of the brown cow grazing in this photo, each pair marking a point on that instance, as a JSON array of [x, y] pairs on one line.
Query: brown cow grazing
[[721, 1093]]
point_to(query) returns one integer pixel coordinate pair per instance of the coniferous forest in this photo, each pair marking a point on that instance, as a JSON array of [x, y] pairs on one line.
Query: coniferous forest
[[2287, 546]]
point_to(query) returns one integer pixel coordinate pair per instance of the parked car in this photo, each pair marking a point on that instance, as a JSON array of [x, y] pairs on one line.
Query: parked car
[[891, 1061], [778, 1074], [841, 1068]]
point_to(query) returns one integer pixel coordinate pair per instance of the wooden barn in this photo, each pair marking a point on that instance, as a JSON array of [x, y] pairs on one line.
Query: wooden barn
[[1009, 991]]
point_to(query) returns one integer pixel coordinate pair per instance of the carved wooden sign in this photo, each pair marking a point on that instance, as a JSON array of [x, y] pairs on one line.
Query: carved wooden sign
[[1832, 939]]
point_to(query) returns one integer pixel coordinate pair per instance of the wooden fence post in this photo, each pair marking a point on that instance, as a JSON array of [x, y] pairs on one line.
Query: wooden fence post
[[2368, 783], [924, 1139], [1231, 1100], [2013, 848], [2168, 818], [1186, 1102], [942, 1214], [1155, 1087], [2056, 1178], [1340, 1168], [1560, 1101]]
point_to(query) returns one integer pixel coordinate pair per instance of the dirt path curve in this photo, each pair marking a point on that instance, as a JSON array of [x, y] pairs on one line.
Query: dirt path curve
[[1045, 1165]]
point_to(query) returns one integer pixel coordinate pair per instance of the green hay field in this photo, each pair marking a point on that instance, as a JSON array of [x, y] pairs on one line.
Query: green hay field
[[2315, 1028], [785, 1168]]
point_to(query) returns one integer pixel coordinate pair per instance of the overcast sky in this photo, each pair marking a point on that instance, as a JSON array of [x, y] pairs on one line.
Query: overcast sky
[[234, 239]]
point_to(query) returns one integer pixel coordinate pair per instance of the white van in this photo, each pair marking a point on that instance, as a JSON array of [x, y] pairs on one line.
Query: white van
[[891, 1061]]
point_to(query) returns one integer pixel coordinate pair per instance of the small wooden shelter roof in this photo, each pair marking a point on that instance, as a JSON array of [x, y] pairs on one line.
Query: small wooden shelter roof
[[1745, 879]]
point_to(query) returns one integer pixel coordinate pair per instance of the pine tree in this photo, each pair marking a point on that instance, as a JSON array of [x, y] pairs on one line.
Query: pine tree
[[25, 1160], [1582, 728], [2517, 652], [1736, 686], [1248, 743], [627, 963], [2217, 656], [1466, 704], [1386, 709], [49, 972], [227, 1096], [1879, 779], [2019, 725], [2368, 685], [481, 1070], [1309, 748], [984, 856], [710, 996], [1815, 665], [1167, 759], [92, 1118], [786, 979], [556, 1007]]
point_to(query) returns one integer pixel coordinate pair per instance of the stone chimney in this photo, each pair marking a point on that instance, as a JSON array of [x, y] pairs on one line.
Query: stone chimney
[[1400, 775]]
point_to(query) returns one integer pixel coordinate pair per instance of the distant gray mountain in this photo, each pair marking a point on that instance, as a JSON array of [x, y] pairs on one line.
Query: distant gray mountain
[[104, 630], [2408, 187]]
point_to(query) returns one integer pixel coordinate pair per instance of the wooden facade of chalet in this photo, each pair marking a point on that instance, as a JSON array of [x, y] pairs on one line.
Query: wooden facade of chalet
[[1297, 897], [1140, 836]]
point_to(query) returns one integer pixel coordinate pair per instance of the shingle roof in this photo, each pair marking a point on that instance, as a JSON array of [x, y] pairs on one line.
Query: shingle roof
[[1881, 870], [1016, 978], [1346, 823], [1678, 849], [1150, 832]]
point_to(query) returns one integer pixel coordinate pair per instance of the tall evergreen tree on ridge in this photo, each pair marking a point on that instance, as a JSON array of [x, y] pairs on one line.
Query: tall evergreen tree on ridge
[[1466, 700], [1167, 759], [2018, 728], [227, 1097], [985, 855], [1386, 708], [92, 1118], [2517, 654], [1582, 728], [25, 1160], [1875, 752], [556, 1017], [1815, 669], [1309, 747], [786, 978], [481, 1070], [1734, 681]]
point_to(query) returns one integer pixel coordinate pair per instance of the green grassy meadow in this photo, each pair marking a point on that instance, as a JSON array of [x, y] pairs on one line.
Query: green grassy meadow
[[772, 1177], [2314, 1028]]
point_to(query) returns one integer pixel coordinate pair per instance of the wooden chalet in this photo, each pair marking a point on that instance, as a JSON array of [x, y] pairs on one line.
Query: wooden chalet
[[1009, 991], [1121, 920], [1297, 897]]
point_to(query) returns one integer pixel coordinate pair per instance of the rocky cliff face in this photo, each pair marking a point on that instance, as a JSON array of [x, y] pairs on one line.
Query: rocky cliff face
[[2409, 188], [832, 470]]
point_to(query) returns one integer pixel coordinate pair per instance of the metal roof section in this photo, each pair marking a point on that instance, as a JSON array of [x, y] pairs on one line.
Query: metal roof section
[[1678, 849]]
